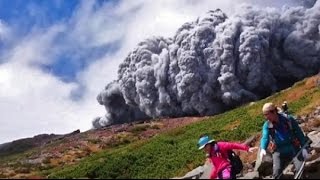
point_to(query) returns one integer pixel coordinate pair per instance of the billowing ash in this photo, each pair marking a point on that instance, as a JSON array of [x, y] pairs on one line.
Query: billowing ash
[[214, 64]]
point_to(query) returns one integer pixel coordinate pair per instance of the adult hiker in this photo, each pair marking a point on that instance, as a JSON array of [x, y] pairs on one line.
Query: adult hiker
[[285, 137], [218, 154]]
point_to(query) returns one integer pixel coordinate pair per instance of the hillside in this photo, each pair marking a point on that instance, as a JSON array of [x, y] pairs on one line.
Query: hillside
[[26, 157], [25, 144], [162, 148]]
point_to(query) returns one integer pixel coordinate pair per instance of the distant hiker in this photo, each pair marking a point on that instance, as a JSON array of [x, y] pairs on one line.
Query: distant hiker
[[220, 154], [284, 107], [285, 137]]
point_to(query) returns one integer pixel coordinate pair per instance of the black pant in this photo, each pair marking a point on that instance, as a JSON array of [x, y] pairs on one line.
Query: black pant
[[279, 163]]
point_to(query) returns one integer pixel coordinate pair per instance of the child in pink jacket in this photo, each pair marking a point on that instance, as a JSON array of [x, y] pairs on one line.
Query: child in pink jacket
[[217, 152]]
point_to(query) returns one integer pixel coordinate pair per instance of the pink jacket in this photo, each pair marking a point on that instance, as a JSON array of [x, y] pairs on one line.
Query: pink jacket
[[220, 159]]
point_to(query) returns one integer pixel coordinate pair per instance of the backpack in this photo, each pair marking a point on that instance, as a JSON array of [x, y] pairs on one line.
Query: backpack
[[235, 161], [288, 125], [295, 140]]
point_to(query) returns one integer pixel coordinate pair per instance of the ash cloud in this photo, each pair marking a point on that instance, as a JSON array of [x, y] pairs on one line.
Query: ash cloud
[[214, 64]]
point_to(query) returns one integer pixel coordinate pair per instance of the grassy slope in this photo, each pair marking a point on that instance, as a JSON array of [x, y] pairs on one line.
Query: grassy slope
[[175, 152]]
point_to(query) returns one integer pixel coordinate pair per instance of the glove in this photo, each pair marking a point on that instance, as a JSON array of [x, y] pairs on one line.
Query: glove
[[262, 153], [305, 154]]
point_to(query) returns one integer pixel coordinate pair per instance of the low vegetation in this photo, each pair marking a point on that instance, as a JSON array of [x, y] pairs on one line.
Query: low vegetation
[[168, 154], [174, 153]]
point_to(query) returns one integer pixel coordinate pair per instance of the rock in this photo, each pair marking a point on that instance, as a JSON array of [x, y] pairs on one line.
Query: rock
[[288, 171], [302, 119], [312, 164], [317, 111], [250, 140], [201, 172], [249, 166], [315, 138], [264, 166], [315, 129], [268, 177], [251, 175], [312, 169], [206, 171], [303, 125], [194, 173]]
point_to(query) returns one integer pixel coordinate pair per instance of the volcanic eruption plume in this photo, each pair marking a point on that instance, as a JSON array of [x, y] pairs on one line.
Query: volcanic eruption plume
[[214, 64]]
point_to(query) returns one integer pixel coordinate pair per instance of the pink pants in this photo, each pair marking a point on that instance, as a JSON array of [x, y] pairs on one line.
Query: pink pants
[[226, 173]]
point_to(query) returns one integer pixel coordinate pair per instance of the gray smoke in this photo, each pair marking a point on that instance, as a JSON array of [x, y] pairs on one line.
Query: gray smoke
[[309, 3], [214, 64]]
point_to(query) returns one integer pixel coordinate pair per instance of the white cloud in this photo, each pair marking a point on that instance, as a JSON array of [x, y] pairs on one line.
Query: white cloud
[[37, 47], [92, 27], [5, 32], [33, 101]]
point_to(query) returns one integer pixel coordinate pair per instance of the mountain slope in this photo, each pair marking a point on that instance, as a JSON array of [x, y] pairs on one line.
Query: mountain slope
[[175, 152], [156, 149], [22, 145]]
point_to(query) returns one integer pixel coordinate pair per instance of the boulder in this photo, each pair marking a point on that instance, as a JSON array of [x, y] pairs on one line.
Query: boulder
[[251, 175], [264, 165], [315, 138]]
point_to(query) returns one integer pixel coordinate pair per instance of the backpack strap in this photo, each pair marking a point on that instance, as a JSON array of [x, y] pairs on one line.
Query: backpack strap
[[272, 132], [217, 150], [288, 121]]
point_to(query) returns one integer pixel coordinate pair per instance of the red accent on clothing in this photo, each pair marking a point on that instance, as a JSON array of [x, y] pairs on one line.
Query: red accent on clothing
[[220, 159]]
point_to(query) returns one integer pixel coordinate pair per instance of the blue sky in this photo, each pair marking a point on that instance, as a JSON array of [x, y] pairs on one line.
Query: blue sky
[[27, 17], [35, 12], [57, 55]]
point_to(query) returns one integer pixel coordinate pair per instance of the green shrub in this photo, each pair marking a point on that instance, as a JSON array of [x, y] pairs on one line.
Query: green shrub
[[139, 128], [175, 152]]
